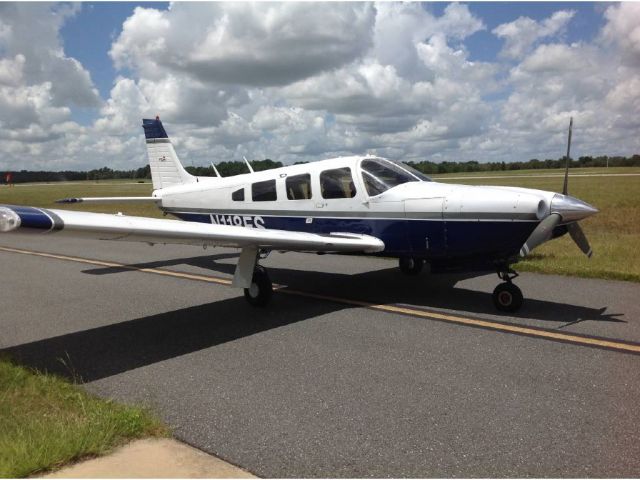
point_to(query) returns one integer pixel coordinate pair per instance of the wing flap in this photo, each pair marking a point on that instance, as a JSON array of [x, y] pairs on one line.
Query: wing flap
[[154, 230]]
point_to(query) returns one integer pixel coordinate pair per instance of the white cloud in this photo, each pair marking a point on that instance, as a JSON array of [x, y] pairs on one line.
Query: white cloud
[[11, 70], [297, 81], [30, 31], [259, 44], [522, 34], [623, 29], [458, 22], [39, 85], [124, 109]]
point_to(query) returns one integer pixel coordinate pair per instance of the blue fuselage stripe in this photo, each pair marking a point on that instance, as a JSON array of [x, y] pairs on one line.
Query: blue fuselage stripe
[[481, 241]]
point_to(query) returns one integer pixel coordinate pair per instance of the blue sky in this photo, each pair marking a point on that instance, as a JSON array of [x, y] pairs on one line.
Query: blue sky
[[300, 81], [485, 46], [88, 36]]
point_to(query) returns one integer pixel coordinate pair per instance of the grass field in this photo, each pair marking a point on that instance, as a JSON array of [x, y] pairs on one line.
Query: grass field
[[614, 233], [555, 172], [46, 422]]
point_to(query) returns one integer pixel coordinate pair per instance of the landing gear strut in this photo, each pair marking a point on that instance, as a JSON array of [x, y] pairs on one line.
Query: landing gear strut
[[410, 265], [507, 297], [259, 292]]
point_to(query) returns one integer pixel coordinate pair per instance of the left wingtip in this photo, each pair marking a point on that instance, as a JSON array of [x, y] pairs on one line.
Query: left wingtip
[[9, 220]]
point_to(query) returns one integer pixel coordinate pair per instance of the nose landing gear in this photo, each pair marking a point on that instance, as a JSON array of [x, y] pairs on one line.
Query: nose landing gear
[[507, 297], [410, 265]]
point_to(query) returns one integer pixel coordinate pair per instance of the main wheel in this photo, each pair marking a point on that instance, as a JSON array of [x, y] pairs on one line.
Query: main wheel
[[410, 266], [507, 297], [259, 293]]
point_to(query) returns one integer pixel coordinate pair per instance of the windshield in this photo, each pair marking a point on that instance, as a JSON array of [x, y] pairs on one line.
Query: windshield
[[381, 175], [413, 171]]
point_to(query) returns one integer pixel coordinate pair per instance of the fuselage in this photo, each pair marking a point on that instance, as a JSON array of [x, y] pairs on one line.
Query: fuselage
[[451, 226]]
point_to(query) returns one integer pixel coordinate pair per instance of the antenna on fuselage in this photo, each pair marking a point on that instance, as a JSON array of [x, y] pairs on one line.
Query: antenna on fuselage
[[248, 165], [216, 170]]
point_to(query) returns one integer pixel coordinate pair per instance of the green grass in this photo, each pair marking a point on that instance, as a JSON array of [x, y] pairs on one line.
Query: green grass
[[45, 194], [549, 171], [614, 233], [46, 422]]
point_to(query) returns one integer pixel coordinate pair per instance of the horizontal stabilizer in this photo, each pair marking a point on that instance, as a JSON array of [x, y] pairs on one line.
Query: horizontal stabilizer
[[109, 200]]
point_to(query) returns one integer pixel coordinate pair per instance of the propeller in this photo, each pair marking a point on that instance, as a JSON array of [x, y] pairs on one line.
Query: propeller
[[565, 187], [544, 230], [541, 234], [580, 238]]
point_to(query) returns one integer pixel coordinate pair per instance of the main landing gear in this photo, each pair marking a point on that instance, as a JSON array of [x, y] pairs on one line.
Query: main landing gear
[[507, 297], [259, 292], [253, 277]]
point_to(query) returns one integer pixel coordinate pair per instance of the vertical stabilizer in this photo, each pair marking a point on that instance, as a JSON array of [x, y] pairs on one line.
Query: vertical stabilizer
[[166, 169]]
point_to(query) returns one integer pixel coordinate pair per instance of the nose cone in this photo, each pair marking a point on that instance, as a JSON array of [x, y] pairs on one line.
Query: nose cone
[[571, 209]]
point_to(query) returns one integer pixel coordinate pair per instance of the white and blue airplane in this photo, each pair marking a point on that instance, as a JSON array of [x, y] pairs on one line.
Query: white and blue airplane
[[363, 205]]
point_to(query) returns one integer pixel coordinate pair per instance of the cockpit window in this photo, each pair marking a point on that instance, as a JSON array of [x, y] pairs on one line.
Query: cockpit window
[[381, 175]]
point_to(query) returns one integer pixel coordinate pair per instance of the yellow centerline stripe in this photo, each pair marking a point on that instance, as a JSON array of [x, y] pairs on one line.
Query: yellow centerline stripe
[[559, 336], [169, 273], [629, 347]]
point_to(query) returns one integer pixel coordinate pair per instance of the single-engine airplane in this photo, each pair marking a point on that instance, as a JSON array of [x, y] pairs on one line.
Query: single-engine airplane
[[356, 205]]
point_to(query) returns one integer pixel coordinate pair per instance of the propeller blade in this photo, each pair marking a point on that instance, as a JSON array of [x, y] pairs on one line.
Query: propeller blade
[[565, 187], [541, 234], [580, 238]]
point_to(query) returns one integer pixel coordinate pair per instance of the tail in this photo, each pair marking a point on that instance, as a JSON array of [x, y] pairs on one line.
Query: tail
[[166, 169]]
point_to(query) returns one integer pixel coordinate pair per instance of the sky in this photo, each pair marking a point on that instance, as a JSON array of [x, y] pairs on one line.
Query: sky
[[484, 81]]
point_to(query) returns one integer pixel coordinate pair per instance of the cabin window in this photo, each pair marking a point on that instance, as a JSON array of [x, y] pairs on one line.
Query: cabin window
[[379, 176], [298, 187], [238, 195], [337, 183], [264, 191]]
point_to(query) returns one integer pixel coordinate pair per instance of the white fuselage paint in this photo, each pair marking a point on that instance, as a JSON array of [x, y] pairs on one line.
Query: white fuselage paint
[[413, 200]]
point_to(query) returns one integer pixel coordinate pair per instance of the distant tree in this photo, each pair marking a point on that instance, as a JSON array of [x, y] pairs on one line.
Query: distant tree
[[235, 168]]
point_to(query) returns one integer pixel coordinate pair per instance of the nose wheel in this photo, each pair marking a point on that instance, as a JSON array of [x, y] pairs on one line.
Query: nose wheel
[[507, 297]]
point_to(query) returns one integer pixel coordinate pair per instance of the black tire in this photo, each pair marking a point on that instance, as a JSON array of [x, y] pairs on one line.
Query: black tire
[[261, 289], [410, 266], [507, 297]]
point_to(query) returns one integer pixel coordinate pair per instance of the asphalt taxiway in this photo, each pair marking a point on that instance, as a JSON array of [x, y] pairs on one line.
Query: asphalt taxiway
[[354, 370]]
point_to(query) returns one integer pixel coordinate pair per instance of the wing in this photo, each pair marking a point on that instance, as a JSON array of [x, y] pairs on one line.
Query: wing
[[154, 230]]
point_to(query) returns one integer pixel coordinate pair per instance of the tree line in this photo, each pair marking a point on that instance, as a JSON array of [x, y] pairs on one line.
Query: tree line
[[228, 169]]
